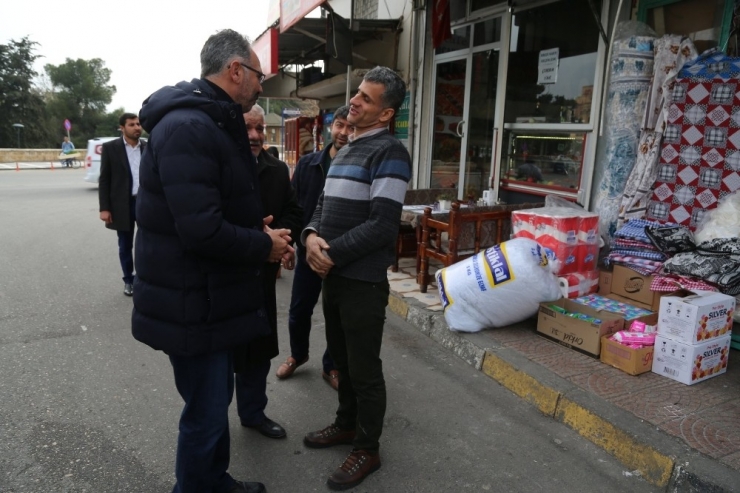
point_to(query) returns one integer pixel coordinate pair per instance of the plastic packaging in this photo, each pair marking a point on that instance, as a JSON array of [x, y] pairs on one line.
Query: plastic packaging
[[634, 338], [499, 286], [721, 222], [637, 326]]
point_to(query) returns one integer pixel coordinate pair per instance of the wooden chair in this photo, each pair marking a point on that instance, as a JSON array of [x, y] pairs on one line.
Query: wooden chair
[[462, 234], [407, 241]]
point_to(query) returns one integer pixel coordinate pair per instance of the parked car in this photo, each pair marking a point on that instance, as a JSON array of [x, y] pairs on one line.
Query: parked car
[[92, 161]]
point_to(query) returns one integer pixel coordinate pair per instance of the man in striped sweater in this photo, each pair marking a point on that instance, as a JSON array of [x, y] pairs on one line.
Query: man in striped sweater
[[350, 244]]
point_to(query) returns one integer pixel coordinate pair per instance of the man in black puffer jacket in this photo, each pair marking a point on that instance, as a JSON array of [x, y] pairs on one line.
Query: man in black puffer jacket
[[200, 249]]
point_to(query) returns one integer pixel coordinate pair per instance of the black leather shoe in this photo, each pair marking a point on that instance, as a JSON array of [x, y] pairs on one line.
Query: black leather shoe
[[247, 487], [128, 289], [269, 428]]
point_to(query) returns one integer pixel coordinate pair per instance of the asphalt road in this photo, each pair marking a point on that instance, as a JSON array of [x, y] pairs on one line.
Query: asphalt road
[[86, 408]]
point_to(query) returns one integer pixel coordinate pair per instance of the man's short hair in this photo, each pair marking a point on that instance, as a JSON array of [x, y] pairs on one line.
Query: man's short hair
[[341, 112], [395, 87], [126, 116], [258, 110], [220, 49]]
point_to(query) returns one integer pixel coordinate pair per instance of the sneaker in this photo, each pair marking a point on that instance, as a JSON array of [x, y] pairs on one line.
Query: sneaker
[[128, 289], [358, 465], [328, 437]]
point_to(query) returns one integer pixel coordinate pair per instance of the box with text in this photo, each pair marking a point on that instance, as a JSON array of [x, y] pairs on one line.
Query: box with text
[[690, 363], [695, 318]]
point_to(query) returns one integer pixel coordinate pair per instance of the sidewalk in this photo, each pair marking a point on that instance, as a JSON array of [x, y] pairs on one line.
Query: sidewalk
[[678, 437]]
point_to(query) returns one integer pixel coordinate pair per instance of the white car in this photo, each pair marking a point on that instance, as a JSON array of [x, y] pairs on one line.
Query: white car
[[92, 161]]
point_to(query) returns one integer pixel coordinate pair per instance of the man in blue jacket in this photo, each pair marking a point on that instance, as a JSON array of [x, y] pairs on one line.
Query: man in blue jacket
[[201, 247], [308, 183]]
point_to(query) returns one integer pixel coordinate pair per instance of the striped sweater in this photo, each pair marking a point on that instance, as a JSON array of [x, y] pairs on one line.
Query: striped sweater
[[360, 210]]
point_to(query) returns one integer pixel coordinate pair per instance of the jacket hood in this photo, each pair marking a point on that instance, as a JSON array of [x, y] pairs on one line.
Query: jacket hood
[[194, 94]]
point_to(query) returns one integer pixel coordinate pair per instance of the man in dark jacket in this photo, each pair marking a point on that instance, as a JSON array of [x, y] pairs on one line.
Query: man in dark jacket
[[308, 182], [117, 189], [252, 362], [201, 248]]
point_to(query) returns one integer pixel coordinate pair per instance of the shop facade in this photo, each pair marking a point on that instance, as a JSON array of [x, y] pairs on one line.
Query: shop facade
[[503, 95]]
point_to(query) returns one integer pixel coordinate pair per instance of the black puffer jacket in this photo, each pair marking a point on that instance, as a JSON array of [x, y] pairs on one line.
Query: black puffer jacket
[[200, 246]]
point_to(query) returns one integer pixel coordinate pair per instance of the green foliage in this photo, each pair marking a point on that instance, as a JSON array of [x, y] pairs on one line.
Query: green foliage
[[80, 93], [19, 102]]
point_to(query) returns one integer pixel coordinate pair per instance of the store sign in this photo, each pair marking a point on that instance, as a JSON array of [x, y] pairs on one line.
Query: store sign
[[547, 68], [266, 48], [291, 11], [401, 128]]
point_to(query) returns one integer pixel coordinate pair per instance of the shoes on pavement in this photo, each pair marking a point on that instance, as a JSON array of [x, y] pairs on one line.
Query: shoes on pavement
[[328, 437], [247, 487], [332, 378], [269, 428], [286, 369], [358, 465], [128, 289]]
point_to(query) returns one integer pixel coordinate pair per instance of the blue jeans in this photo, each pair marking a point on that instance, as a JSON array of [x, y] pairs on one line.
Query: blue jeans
[[303, 299], [206, 384], [126, 246], [251, 394]]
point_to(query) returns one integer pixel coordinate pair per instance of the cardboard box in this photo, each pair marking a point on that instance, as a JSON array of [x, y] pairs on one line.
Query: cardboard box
[[627, 359], [581, 335], [691, 363], [696, 318], [635, 287], [605, 282]]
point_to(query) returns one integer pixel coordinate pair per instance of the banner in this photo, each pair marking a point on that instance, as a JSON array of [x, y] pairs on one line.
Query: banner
[[440, 22]]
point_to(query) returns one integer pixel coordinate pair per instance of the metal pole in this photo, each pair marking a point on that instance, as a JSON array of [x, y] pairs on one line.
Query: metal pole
[[18, 136], [349, 67]]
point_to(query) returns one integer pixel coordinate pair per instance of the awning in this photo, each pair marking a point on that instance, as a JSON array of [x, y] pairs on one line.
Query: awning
[[304, 44]]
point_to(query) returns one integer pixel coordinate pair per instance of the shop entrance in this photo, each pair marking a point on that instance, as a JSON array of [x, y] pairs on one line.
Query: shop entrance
[[466, 84]]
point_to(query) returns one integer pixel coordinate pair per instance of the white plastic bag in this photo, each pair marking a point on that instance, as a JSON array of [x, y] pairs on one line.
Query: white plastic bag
[[499, 286], [721, 222]]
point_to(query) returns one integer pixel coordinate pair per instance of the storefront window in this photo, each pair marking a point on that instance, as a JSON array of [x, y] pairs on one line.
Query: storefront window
[[552, 159], [487, 32], [552, 64], [700, 20], [482, 4], [460, 40]]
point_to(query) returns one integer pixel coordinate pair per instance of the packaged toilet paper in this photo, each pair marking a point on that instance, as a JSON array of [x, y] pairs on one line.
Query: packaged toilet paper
[[499, 286]]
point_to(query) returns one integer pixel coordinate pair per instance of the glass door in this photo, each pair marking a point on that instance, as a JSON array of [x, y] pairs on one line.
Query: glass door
[[466, 76], [449, 124], [481, 127]]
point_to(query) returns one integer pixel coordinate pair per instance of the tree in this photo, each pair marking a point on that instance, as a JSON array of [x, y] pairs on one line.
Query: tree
[[81, 92], [19, 102]]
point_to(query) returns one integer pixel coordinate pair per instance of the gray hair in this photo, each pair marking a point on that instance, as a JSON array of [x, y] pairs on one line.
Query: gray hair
[[220, 49], [341, 112], [258, 110], [395, 87]]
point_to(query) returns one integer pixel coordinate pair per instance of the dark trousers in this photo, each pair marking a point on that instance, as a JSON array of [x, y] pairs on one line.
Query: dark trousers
[[126, 246], [355, 315], [206, 384], [251, 394], [305, 294]]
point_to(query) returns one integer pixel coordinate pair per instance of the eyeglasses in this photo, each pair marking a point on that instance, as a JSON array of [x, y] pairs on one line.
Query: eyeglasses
[[260, 75]]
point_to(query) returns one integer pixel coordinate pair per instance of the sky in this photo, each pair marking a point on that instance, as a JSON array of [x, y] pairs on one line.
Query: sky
[[146, 45]]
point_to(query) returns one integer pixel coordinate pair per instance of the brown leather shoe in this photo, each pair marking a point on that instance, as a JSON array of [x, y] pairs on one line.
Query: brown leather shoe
[[286, 369], [328, 437], [332, 378], [358, 465]]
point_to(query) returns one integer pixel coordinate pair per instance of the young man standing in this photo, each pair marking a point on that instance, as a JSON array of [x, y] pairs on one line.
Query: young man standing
[[350, 244], [252, 361], [117, 190], [308, 182]]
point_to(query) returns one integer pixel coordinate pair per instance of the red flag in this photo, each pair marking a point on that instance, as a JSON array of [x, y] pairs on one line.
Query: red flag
[[440, 22]]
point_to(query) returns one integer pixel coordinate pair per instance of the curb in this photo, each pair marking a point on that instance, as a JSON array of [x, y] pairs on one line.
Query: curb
[[659, 458]]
